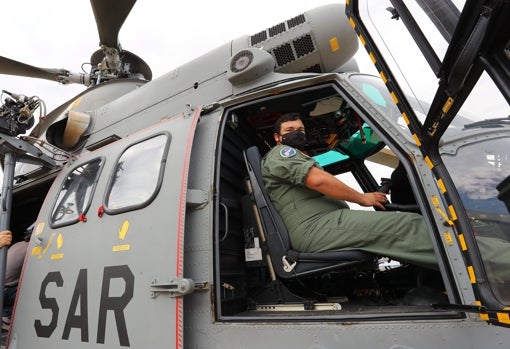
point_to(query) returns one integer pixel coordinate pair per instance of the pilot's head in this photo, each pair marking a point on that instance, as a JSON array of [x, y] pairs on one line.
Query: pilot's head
[[290, 130]]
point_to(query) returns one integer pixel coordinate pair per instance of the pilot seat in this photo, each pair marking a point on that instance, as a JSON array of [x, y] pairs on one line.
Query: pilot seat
[[288, 263]]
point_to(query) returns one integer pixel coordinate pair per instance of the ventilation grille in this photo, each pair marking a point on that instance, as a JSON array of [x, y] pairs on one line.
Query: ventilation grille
[[277, 29], [303, 45], [294, 22], [291, 51], [284, 55], [259, 37], [293, 48]]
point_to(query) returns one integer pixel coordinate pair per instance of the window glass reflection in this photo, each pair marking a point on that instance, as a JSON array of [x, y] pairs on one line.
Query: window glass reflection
[[481, 173], [137, 174], [76, 193]]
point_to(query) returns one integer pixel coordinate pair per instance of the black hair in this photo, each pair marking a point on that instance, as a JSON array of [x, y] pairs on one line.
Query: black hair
[[284, 118]]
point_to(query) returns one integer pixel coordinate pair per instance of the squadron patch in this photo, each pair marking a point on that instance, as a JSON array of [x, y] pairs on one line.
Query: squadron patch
[[287, 152]]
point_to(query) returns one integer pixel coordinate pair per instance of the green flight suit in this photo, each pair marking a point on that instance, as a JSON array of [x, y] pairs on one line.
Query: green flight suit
[[318, 223]]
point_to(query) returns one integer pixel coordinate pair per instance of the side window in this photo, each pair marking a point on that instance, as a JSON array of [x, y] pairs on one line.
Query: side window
[[137, 175], [76, 193]]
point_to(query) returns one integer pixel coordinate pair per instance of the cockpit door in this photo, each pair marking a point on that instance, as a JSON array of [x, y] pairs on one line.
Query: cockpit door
[[105, 264], [464, 48]]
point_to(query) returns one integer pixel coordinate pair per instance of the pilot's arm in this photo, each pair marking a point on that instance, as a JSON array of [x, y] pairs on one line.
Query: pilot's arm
[[327, 184]]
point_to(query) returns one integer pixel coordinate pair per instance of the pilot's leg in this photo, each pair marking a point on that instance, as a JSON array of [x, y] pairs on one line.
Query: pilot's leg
[[399, 235], [496, 257]]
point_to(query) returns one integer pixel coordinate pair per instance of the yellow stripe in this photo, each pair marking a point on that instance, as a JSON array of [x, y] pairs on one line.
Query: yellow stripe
[[447, 105], [347, 2], [383, 77], [462, 242], [416, 140], [121, 248], [36, 250], [60, 241], [372, 57], [333, 43], [482, 316], [453, 214], [406, 119], [352, 22], [362, 39], [394, 97], [441, 186], [471, 273], [123, 229], [429, 163], [503, 318], [57, 256]]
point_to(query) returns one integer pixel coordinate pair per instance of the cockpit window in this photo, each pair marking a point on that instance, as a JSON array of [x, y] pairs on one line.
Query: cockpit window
[[480, 172], [374, 89], [358, 145], [137, 175], [75, 194]]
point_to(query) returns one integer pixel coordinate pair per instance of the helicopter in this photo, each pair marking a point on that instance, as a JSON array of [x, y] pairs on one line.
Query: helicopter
[[152, 227]]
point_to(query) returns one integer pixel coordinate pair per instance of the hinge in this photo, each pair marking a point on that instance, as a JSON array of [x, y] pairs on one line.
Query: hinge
[[177, 287], [196, 198]]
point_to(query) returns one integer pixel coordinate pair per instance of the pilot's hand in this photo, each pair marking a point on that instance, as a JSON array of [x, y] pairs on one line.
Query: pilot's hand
[[375, 199], [5, 238]]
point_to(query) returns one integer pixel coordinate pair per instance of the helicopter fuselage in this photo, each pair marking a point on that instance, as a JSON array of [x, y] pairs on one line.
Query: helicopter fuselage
[[148, 232]]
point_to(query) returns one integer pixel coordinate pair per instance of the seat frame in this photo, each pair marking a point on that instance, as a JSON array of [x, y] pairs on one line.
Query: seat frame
[[287, 262]]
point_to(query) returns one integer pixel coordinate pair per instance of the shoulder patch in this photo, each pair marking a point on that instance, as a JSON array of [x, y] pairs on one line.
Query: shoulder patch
[[287, 152]]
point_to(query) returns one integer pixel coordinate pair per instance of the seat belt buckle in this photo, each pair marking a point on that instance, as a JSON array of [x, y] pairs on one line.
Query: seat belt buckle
[[287, 266]]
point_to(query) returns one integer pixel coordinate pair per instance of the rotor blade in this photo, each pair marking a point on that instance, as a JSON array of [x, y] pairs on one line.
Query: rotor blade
[[443, 13], [110, 16], [11, 67]]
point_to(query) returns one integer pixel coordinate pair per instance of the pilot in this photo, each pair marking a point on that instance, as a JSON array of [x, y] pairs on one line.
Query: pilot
[[312, 204]]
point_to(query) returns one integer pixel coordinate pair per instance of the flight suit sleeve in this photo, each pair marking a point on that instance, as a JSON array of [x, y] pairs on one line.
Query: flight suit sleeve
[[286, 164]]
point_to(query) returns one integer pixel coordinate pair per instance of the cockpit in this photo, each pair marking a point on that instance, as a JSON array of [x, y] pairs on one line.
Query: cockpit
[[359, 150], [335, 132]]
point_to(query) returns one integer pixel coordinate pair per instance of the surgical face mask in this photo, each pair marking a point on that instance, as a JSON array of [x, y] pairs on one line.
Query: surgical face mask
[[295, 139]]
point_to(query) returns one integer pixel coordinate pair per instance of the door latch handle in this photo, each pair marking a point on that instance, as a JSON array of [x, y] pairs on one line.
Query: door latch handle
[[177, 287]]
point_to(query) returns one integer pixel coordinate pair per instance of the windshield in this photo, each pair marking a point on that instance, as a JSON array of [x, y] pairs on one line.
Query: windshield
[[481, 174], [374, 89], [355, 139], [414, 73]]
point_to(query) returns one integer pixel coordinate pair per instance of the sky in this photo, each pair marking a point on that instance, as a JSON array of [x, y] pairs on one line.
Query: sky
[[63, 34]]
